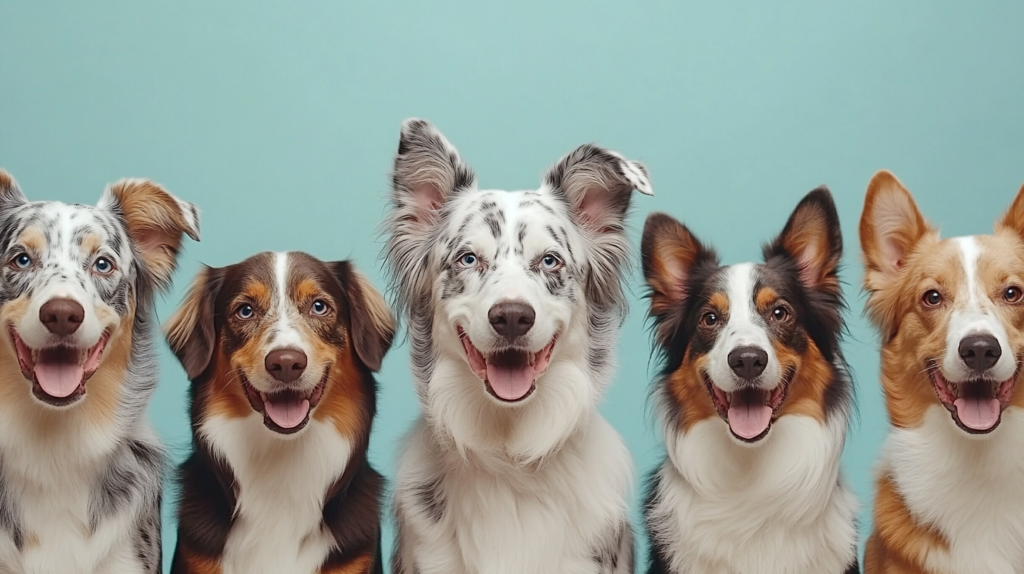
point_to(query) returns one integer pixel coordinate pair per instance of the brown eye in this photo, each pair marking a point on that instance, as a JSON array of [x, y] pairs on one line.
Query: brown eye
[[780, 313], [932, 298], [1012, 294], [709, 319]]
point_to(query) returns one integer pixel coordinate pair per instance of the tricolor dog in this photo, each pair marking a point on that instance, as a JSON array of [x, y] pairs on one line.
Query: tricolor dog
[[513, 301], [281, 349], [754, 401], [80, 468], [950, 313]]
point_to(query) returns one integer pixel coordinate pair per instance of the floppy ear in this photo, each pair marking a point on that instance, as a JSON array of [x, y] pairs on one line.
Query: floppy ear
[[10, 193], [890, 227], [813, 240], [669, 253], [1013, 219], [156, 221], [190, 332], [373, 326]]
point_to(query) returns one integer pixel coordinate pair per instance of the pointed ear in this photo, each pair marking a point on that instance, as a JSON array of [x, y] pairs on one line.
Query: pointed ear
[[669, 253], [890, 227], [190, 332], [156, 221], [813, 240], [598, 185], [1013, 219], [10, 194], [372, 328], [428, 172]]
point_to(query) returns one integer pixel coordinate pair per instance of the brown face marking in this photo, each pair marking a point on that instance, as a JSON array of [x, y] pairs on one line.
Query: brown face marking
[[33, 239]]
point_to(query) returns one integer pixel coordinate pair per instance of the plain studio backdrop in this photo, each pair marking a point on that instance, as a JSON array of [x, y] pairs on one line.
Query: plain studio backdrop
[[280, 122]]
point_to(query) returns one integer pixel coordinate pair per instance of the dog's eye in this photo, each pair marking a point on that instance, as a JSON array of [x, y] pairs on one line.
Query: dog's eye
[[22, 261], [468, 260], [245, 311], [780, 313], [550, 263], [709, 319], [319, 308], [102, 266], [932, 298], [1012, 294]]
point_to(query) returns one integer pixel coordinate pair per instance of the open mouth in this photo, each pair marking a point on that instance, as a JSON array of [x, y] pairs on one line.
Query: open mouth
[[285, 412], [749, 412], [58, 374], [976, 406], [509, 375]]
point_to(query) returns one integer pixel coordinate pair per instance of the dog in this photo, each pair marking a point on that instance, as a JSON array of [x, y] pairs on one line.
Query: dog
[[754, 401], [950, 313], [80, 468], [280, 349], [513, 300]]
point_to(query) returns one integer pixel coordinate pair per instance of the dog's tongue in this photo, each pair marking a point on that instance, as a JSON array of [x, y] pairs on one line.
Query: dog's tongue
[[978, 413], [59, 380], [749, 419], [509, 382], [287, 413]]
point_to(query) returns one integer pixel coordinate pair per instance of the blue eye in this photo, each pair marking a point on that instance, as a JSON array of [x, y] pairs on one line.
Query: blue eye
[[319, 307], [22, 261], [550, 263], [103, 266], [468, 260], [245, 312]]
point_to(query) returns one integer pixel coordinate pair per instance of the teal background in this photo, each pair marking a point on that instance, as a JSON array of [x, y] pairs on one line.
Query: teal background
[[280, 120]]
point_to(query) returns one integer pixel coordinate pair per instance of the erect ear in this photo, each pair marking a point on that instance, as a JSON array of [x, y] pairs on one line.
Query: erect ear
[[190, 332], [598, 184], [890, 227], [669, 253], [373, 326], [10, 193], [1013, 219], [813, 240], [156, 221]]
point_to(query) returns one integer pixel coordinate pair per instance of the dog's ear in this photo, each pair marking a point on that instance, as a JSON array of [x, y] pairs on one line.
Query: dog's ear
[[1013, 219], [10, 193], [372, 328], [812, 239], [890, 227], [669, 253], [156, 221], [190, 332]]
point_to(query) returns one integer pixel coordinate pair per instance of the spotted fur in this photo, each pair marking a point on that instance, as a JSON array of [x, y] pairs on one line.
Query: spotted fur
[[80, 483], [540, 484]]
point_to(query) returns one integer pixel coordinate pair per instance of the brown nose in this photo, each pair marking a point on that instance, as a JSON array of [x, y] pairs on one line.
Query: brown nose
[[511, 319], [285, 365], [61, 316]]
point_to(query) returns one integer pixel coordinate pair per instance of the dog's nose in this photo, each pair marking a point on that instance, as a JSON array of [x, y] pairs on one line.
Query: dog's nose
[[511, 319], [748, 362], [980, 352], [285, 365], [61, 316]]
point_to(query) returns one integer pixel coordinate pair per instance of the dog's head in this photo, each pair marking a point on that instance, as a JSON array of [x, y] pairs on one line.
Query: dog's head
[[950, 312], [75, 277], [748, 343], [285, 337], [500, 285]]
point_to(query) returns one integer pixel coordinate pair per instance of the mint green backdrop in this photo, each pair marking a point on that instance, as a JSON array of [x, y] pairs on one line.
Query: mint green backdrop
[[280, 121]]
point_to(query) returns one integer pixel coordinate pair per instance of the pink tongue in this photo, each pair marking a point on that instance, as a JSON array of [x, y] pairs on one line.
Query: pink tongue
[[510, 383], [750, 419], [59, 380], [977, 413], [287, 414]]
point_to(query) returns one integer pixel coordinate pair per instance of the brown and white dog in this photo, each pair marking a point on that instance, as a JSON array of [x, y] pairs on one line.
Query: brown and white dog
[[951, 317], [281, 350]]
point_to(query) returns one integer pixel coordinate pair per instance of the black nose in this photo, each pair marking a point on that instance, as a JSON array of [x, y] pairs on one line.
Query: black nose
[[980, 352], [511, 319], [61, 316], [285, 365], [748, 362]]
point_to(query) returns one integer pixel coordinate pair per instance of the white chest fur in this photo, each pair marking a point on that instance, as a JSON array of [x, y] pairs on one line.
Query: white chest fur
[[969, 488], [775, 509], [281, 487]]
